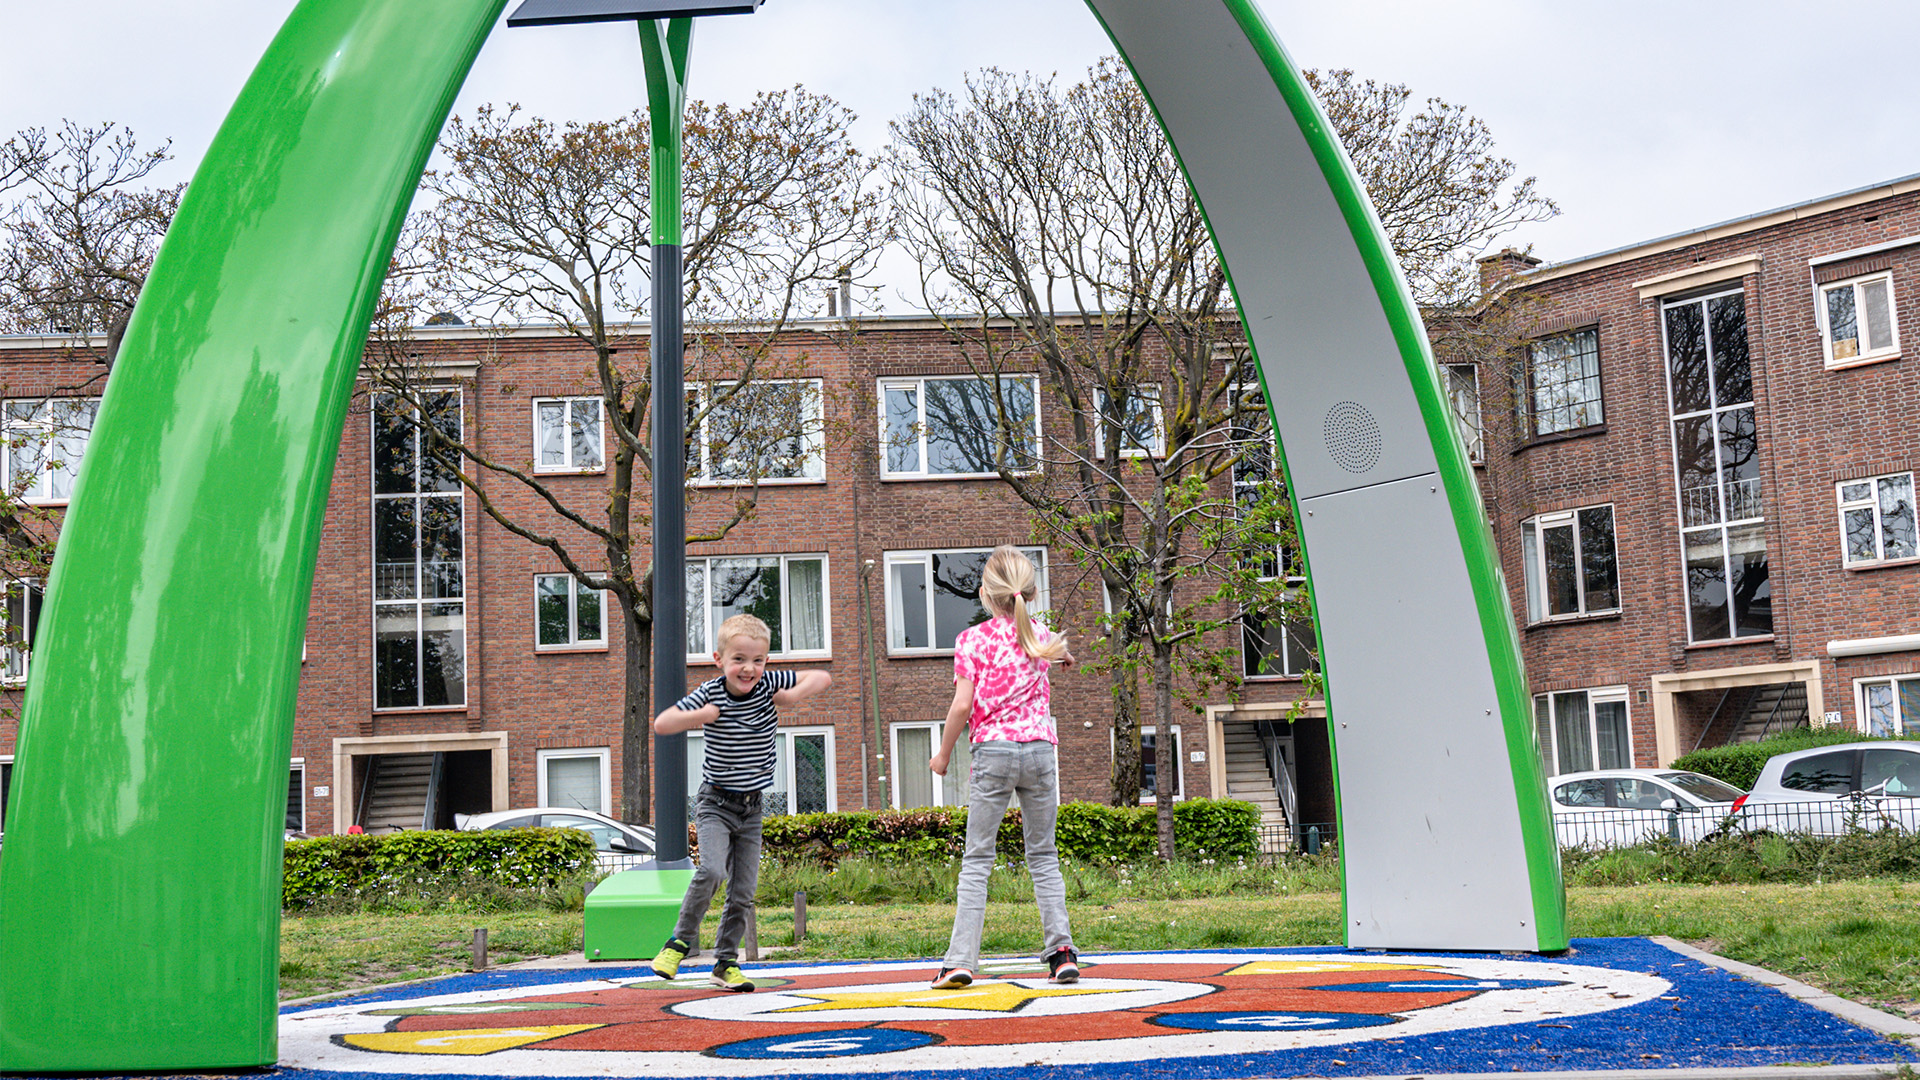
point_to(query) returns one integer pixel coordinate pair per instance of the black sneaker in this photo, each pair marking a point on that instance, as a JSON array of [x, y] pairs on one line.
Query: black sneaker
[[953, 978], [1061, 967]]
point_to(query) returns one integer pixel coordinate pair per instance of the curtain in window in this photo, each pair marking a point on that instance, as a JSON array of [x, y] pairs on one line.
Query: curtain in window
[[1610, 736], [573, 783], [809, 774], [807, 630], [953, 786], [1881, 720], [914, 780], [1571, 732]]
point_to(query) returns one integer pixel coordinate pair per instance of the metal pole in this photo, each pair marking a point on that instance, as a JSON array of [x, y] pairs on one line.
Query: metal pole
[[665, 44]]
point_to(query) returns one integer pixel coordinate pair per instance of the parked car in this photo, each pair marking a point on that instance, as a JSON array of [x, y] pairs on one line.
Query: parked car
[[1622, 807], [1830, 790], [618, 846]]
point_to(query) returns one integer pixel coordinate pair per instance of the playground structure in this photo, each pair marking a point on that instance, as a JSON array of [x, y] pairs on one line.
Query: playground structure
[[145, 844]]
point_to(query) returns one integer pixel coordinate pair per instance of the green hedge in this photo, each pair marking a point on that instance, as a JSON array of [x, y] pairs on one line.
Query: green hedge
[[1202, 828], [1739, 764], [369, 867]]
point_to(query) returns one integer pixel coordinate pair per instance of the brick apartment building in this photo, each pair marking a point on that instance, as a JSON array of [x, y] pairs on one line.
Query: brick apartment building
[[1767, 579]]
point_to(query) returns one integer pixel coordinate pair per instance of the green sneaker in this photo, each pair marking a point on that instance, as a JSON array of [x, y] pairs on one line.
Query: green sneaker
[[727, 976], [667, 964]]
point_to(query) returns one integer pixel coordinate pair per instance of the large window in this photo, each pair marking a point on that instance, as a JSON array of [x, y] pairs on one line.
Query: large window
[[567, 435], [567, 614], [958, 426], [297, 797], [914, 784], [1271, 645], [1857, 320], [1142, 431], [1716, 450], [787, 592], [933, 595], [1888, 706], [1463, 391], [803, 771], [1583, 729], [6, 789], [419, 560], [1150, 765], [769, 430], [23, 619], [1876, 519], [1570, 564], [45, 441], [575, 779], [1563, 383]]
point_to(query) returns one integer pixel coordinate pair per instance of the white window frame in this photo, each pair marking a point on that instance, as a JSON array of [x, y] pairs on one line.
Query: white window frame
[[1863, 720], [1534, 563], [1157, 446], [17, 432], [16, 662], [1596, 695], [1823, 318], [960, 764], [924, 557], [1179, 771], [696, 755], [1473, 429], [704, 648], [574, 641], [1871, 504], [600, 753], [918, 385], [298, 767], [570, 465], [813, 467]]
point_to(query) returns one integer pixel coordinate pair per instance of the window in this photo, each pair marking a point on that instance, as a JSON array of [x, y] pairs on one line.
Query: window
[[1142, 433], [914, 784], [1716, 449], [1876, 519], [23, 619], [933, 595], [1888, 706], [1271, 646], [1857, 320], [803, 772], [787, 592], [771, 429], [297, 797], [1563, 383], [6, 789], [567, 435], [1463, 390], [419, 561], [1149, 765], [1583, 729], [576, 779], [1570, 564], [567, 613], [1822, 774], [958, 426], [45, 441]]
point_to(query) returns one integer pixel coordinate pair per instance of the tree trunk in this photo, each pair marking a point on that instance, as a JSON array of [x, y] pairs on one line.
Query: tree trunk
[[1126, 781], [1165, 766], [636, 726]]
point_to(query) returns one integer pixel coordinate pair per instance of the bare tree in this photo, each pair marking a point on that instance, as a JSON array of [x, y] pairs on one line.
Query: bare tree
[[534, 222]]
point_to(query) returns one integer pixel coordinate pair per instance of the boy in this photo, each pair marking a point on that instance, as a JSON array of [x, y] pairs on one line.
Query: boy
[[739, 710]]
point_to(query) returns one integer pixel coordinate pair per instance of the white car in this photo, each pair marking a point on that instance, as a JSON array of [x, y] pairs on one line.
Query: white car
[[1623, 807], [1832, 790], [617, 845]]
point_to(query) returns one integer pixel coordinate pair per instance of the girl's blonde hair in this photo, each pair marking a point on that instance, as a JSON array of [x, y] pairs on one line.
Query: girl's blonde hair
[[1007, 586]]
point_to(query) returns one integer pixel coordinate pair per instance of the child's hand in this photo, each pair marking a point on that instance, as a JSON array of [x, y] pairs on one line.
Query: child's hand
[[938, 763]]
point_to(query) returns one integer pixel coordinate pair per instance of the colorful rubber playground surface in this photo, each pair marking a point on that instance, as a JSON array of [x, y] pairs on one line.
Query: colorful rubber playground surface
[[1608, 1004]]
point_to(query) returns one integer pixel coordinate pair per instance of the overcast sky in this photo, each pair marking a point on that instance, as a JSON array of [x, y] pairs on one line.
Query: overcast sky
[[1639, 117]]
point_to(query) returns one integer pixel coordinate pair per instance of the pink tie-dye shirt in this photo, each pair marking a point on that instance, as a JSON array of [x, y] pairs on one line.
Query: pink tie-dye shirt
[[1010, 695]]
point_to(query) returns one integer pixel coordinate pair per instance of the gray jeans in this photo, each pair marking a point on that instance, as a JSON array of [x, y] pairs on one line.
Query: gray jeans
[[1002, 770], [729, 831]]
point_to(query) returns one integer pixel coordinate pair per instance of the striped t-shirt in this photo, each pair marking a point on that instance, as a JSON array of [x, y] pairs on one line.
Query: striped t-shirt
[[739, 745]]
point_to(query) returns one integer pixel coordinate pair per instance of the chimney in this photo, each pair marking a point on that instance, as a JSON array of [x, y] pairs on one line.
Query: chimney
[[1502, 265], [846, 292]]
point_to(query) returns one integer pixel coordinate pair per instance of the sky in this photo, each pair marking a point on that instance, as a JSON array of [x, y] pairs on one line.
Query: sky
[[1639, 118]]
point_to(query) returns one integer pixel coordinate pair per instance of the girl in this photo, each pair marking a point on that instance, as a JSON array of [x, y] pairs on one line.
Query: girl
[[1000, 694]]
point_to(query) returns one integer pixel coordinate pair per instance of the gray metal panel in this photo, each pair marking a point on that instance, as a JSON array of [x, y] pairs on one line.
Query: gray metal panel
[[1429, 824], [558, 12], [1312, 311]]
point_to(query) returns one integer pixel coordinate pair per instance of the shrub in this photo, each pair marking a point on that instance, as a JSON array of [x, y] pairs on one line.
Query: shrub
[[1739, 764], [1203, 828], [485, 867]]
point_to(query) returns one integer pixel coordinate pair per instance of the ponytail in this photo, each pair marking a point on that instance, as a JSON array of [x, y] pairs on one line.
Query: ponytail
[[1007, 585]]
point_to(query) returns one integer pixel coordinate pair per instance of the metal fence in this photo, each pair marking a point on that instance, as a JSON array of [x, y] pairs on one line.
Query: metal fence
[[1279, 840], [1824, 817]]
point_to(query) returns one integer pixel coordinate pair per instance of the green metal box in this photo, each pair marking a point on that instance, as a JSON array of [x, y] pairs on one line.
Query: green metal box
[[629, 915]]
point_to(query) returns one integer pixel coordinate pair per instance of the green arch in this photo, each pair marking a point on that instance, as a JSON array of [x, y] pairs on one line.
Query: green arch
[[139, 894]]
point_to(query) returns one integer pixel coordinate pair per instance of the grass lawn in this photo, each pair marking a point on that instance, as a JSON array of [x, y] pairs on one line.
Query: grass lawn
[[1860, 939]]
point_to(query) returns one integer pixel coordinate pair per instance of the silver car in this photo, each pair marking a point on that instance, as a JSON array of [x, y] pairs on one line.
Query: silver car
[[617, 845], [1623, 807], [1833, 790]]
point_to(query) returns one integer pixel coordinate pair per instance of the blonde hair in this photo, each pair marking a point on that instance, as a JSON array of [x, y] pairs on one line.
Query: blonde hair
[[1007, 585], [742, 625]]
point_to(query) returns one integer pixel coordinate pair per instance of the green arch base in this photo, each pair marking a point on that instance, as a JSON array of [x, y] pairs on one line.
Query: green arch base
[[139, 895]]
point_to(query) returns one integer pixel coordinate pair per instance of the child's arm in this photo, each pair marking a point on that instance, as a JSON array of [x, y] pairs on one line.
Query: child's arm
[[806, 684], [957, 715], [673, 719]]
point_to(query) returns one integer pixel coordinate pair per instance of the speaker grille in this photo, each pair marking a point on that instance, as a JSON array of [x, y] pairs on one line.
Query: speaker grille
[[1353, 437]]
